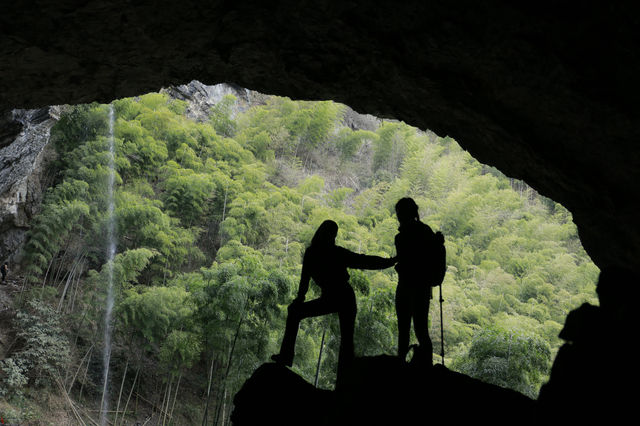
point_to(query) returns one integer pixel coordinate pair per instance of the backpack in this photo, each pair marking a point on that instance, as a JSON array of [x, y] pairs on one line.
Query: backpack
[[428, 259]]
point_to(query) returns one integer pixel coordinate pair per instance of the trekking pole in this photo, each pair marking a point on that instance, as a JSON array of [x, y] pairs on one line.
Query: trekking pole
[[441, 327]]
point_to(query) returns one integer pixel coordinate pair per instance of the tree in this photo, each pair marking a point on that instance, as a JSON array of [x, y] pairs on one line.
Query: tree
[[188, 194], [349, 142], [43, 353], [508, 358], [220, 116]]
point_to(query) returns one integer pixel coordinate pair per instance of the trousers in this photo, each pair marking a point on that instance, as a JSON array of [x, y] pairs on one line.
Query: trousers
[[412, 303], [341, 301]]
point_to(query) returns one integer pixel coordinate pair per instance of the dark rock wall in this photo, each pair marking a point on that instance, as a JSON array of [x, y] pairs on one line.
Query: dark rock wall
[[545, 91], [542, 90]]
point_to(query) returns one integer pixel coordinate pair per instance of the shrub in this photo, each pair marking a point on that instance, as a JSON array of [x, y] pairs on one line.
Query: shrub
[[44, 349]]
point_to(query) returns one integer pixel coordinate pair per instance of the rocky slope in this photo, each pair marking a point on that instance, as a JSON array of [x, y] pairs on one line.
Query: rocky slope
[[378, 391]]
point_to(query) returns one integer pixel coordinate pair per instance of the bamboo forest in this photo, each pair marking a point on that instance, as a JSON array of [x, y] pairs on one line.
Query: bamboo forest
[[157, 274]]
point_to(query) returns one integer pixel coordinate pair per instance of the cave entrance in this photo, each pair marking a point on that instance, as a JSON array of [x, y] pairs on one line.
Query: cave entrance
[[218, 190]]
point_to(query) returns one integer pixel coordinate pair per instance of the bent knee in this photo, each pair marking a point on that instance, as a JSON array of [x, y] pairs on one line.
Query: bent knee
[[294, 309]]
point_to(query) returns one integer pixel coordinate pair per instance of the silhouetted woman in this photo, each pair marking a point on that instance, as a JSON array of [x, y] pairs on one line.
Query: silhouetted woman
[[327, 264], [420, 266]]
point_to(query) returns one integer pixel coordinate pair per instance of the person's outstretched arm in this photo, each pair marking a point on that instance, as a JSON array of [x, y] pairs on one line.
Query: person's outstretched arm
[[364, 261]]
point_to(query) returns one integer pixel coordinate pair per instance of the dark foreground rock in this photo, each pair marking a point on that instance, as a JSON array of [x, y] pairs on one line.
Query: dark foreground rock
[[377, 391], [276, 395]]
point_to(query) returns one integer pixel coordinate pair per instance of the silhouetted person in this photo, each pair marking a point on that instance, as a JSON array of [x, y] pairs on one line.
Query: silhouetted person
[[327, 264], [4, 270], [591, 377], [420, 266]]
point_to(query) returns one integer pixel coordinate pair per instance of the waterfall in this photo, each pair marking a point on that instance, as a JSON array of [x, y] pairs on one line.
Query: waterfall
[[111, 252]]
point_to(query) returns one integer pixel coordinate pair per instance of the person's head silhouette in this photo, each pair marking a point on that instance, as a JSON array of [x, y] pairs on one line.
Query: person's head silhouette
[[326, 234], [407, 210]]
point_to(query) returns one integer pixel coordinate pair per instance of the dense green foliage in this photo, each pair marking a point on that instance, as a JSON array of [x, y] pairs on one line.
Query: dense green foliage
[[212, 219], [43, 350]]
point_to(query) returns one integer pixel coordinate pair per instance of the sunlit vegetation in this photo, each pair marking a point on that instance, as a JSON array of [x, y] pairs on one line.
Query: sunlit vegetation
[[212, 219]]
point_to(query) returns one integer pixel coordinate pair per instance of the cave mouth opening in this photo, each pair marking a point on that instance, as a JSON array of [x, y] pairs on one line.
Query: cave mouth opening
[[219, 190]]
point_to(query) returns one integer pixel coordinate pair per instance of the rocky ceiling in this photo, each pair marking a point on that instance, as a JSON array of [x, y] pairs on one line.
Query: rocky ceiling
[[541, 90]]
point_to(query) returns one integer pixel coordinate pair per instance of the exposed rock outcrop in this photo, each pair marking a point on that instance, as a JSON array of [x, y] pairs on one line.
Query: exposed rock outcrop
[[276, 395], [200, 98], [22, 177], [378, 391]]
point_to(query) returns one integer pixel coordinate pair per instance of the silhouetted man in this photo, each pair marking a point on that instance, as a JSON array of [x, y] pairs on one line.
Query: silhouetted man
[[420, 266], [327, 264], [4, 269]]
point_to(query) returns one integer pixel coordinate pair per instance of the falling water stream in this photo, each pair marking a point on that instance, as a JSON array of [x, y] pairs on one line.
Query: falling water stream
[[111, 252]]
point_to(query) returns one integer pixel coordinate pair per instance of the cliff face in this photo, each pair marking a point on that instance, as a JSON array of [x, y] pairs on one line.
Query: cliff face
[[201, 97], [22, 176]]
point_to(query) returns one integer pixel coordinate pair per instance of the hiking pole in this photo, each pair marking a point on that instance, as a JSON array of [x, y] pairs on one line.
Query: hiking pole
[[324, 332], [441, 328]]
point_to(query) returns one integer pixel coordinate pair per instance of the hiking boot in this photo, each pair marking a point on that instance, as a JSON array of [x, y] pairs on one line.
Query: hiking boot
[[420, 357], [280, 359]]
